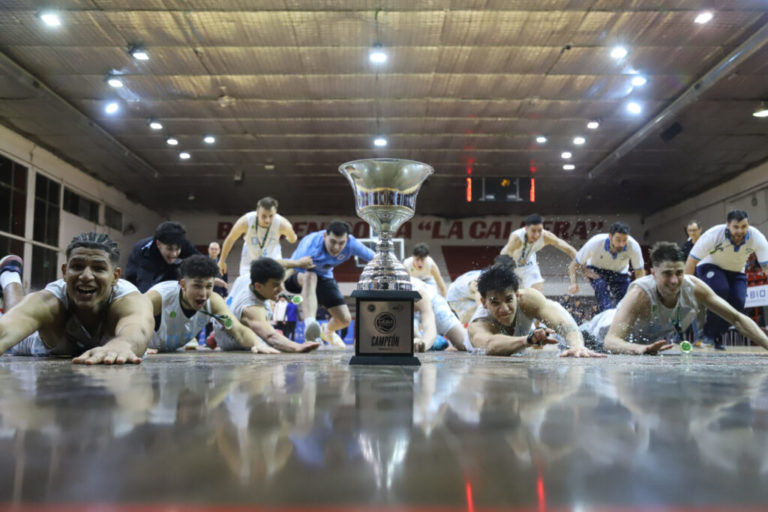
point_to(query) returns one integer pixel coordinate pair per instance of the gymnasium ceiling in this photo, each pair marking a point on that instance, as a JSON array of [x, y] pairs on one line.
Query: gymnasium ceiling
[[287, 89]]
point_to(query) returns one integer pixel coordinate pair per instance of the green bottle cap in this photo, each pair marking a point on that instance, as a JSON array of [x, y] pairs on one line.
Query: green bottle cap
[[296, 299], [227, 322], [686, 346]]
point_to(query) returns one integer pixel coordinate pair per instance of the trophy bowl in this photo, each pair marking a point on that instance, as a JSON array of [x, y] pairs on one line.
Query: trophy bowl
[[385, 192]]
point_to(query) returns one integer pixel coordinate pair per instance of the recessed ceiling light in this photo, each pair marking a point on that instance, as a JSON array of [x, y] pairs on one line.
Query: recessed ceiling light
[[138, 53], [639, 80], [380, 142], [569, 167], [703, 17], [634, 107], [762, 110], [184, 155], [115, 81], [541, 139], [579, 140], [566, 155], [209, 139], [377, 54], [593, 125], [618, 52], [172, 141], [112, 107], [155, 125], [50, 18]]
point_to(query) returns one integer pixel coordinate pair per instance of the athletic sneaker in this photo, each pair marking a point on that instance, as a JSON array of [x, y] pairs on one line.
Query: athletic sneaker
[[332, 339], [311, 330], [11, 263]]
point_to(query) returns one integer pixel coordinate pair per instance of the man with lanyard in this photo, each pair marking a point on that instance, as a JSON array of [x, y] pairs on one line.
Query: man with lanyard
[[718, 258], [90, 313], [261, 231], [525, 242], [605, 259], [182, 308], [325, 249], [658, 309]]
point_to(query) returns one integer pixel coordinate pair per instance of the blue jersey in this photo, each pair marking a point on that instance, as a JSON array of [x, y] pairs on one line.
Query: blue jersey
[[313, 245]]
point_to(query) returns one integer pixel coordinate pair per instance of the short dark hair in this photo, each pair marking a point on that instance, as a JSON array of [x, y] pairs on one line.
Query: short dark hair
[[533, 219], [692, 221], [737, 215], [199, 266], [666, 251], [171, 233], [93, 240], [264, 269], [619, 227], [420, 250], [267, 203], [338, 228], [497, 277], [504, 259]]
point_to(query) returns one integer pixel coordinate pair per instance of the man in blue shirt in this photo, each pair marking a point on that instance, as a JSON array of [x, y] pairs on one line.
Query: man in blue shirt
[[327, 249]]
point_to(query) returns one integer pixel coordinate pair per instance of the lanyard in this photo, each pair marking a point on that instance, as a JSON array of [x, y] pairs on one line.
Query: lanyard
[[266, 233]]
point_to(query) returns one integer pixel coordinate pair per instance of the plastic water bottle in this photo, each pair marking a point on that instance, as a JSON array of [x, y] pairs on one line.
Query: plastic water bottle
[[686, 347]]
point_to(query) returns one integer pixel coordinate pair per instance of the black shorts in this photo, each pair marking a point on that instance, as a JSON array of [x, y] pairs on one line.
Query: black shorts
[[328, 293]]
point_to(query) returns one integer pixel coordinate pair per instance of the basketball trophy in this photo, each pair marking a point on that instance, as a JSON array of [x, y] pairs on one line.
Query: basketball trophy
[[385, 192]]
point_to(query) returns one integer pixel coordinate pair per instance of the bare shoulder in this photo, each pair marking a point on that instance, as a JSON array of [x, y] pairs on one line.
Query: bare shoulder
[[635, 301], [531, 299], [129, 303], [255, 313]]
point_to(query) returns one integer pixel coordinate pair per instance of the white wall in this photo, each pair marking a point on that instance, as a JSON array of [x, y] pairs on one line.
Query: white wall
[[38, 160], [748, 191]]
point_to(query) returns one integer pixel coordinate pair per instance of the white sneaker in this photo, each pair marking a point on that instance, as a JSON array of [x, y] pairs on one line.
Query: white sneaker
[[332, 339], [311, 331]]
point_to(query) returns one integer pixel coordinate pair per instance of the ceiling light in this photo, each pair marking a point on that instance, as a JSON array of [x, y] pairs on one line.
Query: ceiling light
[[184, 155], [112, 107], [380, 142], [566, 155], [569, 167], [209, 139], [155, 125], [269, 167], [703, 17], [639, 80], [172, 141], [138, 53], [541, 139], [579, 140], [618, 52], [50, 18], [593, 125], [762, 110], [634, 107], [115, 81], [377, 54]]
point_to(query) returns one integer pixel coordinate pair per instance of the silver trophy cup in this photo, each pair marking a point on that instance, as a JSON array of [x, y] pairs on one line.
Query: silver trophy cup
[[385, 196]]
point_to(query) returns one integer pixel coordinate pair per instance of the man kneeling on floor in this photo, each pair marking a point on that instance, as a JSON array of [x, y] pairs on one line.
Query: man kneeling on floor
[[182, 308], [91, 313], [503, 325], [248, 301], [658, 309]]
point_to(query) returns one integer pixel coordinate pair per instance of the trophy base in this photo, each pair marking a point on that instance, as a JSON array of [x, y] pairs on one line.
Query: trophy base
[[403, 360]]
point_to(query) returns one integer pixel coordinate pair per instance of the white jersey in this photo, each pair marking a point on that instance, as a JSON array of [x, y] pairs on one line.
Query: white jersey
[[176, 328], [521, 325], [663, 322], [596, 253], [425, 272], [715, 247], [526, 254], [240, 297], [459, 289], [260, 242]]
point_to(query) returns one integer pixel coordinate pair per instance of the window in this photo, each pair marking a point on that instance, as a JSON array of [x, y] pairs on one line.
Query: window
[[47, 201], [82, 207], [13, 196], [44, 267], [113, 218]]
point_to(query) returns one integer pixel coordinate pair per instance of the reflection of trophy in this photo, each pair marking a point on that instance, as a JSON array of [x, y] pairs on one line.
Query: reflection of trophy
[[385, 197]]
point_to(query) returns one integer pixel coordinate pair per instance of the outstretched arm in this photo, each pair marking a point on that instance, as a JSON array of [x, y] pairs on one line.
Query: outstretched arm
[[238, 230], [559, 244], [242, 334], [435, 272], [483, 335], [33, 312], [634, 306], [286, 229]]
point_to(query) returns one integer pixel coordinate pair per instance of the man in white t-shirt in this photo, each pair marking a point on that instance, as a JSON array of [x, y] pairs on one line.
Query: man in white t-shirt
[[718, 258], [604, 260], [524, 243], [261, 231], [422, 266]]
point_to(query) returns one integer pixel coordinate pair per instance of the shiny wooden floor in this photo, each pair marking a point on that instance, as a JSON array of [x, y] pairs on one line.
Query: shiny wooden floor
[[216, 431]]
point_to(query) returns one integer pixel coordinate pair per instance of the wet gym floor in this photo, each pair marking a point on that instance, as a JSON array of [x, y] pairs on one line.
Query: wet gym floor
[[232, 431]]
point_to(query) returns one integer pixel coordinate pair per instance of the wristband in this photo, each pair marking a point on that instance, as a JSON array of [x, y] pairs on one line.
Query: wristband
[[529, 339]]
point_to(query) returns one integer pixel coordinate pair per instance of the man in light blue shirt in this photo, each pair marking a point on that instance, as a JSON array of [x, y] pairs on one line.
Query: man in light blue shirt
[[327, 249]]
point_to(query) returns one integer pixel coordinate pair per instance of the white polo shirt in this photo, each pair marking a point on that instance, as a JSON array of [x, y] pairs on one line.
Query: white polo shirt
[[715, 247], [596, 253]]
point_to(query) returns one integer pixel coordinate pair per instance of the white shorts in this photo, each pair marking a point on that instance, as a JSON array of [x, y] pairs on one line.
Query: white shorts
[[529, 275], [32, 345], [445, 319]]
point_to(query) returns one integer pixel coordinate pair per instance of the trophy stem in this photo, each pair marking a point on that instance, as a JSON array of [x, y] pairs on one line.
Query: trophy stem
[[384, 271]]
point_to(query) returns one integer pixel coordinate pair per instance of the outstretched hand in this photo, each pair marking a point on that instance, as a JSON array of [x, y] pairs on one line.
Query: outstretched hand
[[113, 352], [656, 347], [580, 352], [540, 337]]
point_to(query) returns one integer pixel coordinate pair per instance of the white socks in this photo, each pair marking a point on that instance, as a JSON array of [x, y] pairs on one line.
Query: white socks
[[9, 277]]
